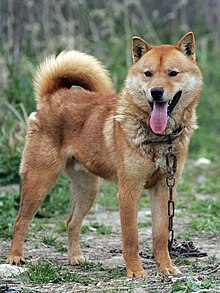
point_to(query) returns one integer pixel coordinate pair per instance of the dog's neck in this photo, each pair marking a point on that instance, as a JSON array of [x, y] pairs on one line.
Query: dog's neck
[[134, 121]]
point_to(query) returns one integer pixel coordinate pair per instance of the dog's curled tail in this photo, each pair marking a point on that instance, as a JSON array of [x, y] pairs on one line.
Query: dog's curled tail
[[68, 69]]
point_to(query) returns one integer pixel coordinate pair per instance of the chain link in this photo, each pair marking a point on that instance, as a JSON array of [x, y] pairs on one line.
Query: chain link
[[171, 166], [184, 248]]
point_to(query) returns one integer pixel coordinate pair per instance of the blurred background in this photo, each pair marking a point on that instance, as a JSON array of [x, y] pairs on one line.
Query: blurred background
[[30, 30]]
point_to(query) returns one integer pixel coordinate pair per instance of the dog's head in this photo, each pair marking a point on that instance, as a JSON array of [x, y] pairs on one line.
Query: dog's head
[[164, 80]]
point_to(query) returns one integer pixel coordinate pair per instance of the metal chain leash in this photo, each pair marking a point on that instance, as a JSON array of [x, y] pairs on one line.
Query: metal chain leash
[[186, 249], [171, 166]]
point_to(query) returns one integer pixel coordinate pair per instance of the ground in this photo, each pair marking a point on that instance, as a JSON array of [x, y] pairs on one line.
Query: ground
[[196, 218]]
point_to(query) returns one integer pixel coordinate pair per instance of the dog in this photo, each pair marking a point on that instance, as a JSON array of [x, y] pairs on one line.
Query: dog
[[90, 132]]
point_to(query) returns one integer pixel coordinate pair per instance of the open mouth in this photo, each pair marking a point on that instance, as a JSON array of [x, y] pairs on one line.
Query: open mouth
[[160, 113]]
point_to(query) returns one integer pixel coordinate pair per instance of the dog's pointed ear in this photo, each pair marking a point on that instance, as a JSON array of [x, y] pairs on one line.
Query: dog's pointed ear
[[186, 45], [139, 48]]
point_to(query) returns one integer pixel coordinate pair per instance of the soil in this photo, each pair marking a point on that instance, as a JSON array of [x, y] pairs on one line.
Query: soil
[[107, 250]]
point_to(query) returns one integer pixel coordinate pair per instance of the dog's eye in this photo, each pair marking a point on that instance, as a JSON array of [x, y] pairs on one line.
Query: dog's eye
[[148, 73], [173, 73]]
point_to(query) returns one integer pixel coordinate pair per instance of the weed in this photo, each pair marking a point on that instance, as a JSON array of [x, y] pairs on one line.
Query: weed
[[192, 283], [208, 224], [84, 229], [62, 227], [145, 200], [39, 224], [207, 216], [90, 266], [9, 205], [20, 89], [52, 241], [115, 273], [211, 185], [12, 134], [182, 261], [211, 264], [107, 196], [45, 273], [49, 240], [144, 224], [184, 186], [101, 228]]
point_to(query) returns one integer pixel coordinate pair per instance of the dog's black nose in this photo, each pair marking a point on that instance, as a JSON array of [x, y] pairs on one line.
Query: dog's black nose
[[157, 93]]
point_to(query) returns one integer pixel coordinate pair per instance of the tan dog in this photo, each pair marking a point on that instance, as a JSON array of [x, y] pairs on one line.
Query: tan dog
[[93, 133]]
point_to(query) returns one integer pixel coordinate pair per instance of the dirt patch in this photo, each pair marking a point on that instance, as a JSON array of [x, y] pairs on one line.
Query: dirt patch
[[105, 250]]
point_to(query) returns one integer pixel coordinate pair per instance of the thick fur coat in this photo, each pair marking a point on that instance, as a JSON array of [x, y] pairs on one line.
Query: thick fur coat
[[91, 133]]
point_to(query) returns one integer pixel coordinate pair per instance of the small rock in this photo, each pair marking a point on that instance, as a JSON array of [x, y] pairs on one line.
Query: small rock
[[7, 270], [177, 279], [202, 162], [112, 263]]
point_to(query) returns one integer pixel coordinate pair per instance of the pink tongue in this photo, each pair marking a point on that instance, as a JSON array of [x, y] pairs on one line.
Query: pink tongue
[[158, 119]]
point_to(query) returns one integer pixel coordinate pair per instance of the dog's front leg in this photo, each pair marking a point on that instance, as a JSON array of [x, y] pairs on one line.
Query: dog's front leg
[[159, 212], [128, 201]]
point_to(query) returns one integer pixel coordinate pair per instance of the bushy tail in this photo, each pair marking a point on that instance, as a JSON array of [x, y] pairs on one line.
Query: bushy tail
[[71, 68]]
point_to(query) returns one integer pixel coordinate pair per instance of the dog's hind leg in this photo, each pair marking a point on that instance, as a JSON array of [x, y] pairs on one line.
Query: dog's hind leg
[[85, 187], [41, 165]]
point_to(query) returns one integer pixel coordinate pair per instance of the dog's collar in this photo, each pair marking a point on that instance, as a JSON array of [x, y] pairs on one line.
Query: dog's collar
[[164, 138]]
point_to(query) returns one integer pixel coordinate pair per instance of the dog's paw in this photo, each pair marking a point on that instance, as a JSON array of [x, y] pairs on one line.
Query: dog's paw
[[169, 270], [76, 259], [15, 260], [137, 273]]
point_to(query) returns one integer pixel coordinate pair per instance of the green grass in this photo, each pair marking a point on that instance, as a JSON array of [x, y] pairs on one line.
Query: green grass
[[144, 224], [206, 207], [9, 205], [39, 224], [208, 225], [145, 200], [201, 275], [211, 185], [184, 185], [115, 273], [61, 227], [205, 142], [107, 196], [179, 261], [90, 266], [52, 241], [211, 179], [84, 229], [204, 180], [197, 199], [101, 228], [12, 136], [45, 273], [211, 263], [205, 217], [192, 283]]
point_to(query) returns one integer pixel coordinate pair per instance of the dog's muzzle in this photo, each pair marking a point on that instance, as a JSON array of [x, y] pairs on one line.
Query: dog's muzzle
[[172, 104]]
